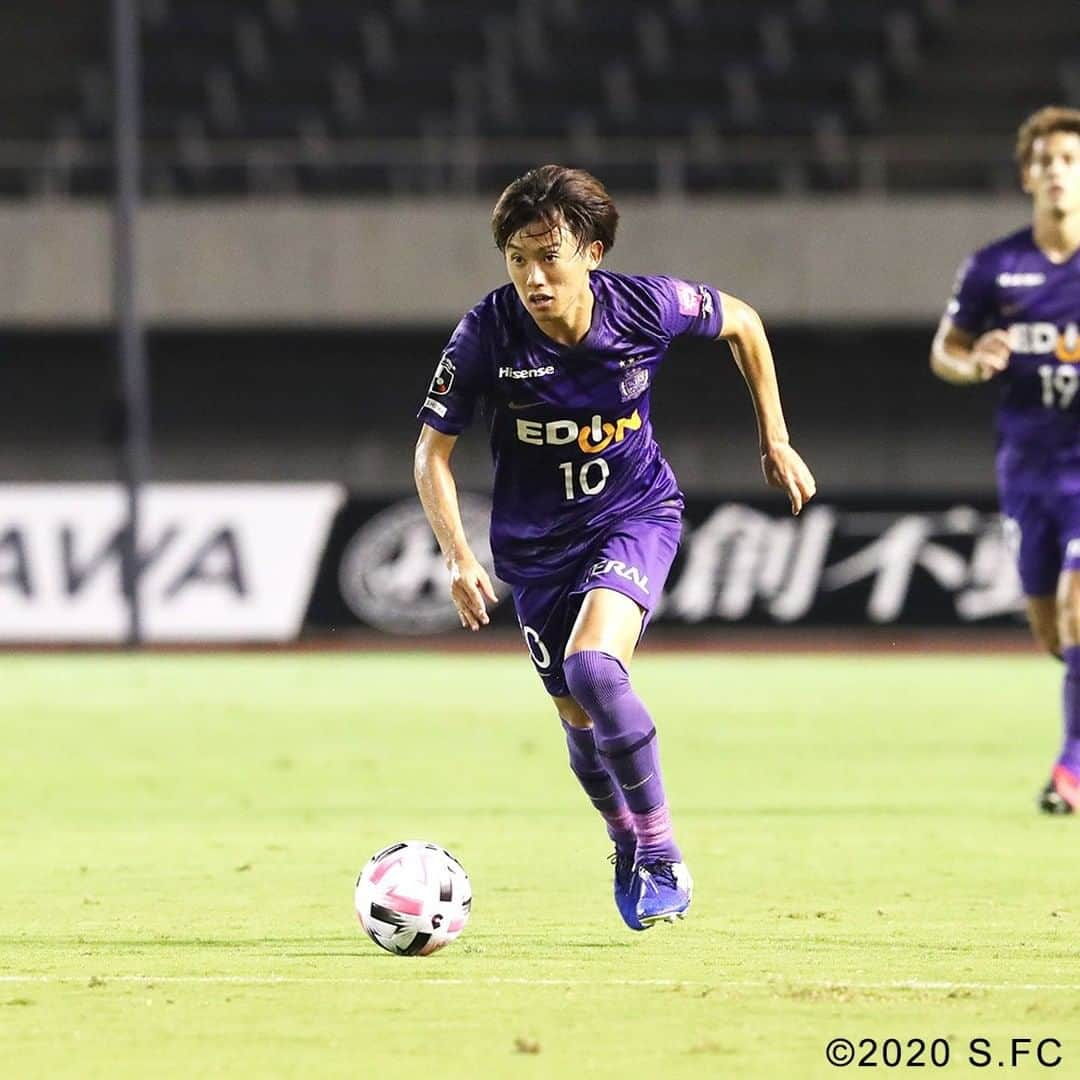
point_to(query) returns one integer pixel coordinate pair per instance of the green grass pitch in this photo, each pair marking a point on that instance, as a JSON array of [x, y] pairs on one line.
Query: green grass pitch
[[179, 837]]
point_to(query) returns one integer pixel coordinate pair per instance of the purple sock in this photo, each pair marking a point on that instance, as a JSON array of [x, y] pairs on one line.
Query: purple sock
[[1070, 747], [586, 765], [626, 741], [654, 832]]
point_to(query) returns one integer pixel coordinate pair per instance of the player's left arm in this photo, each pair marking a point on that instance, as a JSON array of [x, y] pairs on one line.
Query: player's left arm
[[743, 330]]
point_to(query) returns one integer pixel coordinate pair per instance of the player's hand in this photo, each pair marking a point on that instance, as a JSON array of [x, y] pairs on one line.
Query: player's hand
[[469, 584], [990, 355], [785, 469]]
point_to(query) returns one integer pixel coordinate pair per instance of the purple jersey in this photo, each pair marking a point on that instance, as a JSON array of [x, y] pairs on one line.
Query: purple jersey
[[570, 434], [1012, 285]]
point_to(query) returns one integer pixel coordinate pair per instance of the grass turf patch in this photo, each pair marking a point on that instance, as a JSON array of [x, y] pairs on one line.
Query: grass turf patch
[[181, 835]]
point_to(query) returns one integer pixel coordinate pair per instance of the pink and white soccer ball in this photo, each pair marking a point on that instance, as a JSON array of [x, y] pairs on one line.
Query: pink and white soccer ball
[[413, 898]]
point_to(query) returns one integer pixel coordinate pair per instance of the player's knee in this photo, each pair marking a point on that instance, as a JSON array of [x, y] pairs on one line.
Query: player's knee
[[595, 679], [1068, 611], [1045, 624], [1068, 629], [571, 713], [1048, 635]]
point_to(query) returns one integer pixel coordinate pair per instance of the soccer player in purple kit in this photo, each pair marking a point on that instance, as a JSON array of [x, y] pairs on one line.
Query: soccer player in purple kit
[[1014, 318], [586, 512]]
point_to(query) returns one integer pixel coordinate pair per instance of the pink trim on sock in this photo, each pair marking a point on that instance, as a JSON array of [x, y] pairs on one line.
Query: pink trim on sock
[[620, 825], [654, 834]]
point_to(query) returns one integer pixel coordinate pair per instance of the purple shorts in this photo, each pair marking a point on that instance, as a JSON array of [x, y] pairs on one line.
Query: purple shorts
[[632, 558], [1045, 533]]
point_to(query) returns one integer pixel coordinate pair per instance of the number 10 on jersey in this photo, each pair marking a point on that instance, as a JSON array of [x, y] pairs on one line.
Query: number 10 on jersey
[[591, 477]]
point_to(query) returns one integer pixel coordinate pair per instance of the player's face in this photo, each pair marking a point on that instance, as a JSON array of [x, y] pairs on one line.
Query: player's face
[[1052, 177], [550, 270]]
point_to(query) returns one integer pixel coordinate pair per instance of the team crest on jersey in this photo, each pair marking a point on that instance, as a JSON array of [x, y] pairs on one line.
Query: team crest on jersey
[[635, 384], [444, 376]]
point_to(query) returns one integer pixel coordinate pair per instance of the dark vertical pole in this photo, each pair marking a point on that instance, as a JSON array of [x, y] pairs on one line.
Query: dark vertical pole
[[130, 337]]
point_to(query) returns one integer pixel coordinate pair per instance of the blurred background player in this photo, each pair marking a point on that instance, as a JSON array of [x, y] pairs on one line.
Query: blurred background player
[[1015, 318], [587, 514]]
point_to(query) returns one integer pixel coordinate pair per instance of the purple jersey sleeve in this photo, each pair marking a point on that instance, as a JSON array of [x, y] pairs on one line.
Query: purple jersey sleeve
[[972, 307], [461, 378], [688, 308]]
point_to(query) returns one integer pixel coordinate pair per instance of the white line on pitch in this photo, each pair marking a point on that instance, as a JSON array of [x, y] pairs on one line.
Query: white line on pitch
[[838, 985]]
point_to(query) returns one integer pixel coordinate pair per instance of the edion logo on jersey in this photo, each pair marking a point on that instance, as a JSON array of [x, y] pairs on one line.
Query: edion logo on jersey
[[593, 437], [615, 566], [1043, 338]]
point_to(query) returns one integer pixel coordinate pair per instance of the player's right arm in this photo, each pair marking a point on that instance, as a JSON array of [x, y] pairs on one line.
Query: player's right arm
[[960, 357], [964, 349], [469, 581]]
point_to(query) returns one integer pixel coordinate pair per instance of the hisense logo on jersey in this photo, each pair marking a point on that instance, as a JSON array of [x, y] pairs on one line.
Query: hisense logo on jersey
[[1044, 338], [1020, 281], [525, 373], [592, 437]]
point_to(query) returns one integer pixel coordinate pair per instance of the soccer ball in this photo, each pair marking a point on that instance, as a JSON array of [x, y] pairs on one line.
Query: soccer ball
[[413, 898]]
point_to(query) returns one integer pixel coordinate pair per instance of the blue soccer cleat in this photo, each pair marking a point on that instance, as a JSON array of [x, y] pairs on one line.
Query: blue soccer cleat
[[626, 888], [664, 892]]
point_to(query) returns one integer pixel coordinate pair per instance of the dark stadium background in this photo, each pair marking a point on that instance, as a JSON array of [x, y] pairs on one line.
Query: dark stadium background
[[831, 161]]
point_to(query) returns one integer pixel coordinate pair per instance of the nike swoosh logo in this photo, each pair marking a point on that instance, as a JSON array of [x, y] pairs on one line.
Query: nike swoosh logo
[[524, 404], [640, 783]]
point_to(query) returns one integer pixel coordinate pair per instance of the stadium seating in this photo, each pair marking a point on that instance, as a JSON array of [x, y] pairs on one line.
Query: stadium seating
[[325, 96]]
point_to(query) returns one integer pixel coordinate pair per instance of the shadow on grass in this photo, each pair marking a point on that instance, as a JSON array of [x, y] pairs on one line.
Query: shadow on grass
[[345, 947], [161, 942]]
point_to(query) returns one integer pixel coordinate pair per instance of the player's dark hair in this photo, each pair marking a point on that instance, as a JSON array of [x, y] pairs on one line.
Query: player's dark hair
[[1042, 123], [554, 195]]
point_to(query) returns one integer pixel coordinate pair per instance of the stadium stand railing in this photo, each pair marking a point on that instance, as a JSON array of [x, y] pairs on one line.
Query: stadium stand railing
[[433, 96]]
